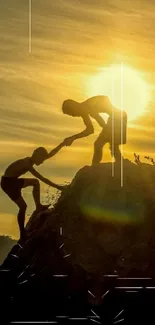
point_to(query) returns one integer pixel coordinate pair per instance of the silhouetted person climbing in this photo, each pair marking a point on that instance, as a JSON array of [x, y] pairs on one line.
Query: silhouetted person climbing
[[12, 184], [111, 132]]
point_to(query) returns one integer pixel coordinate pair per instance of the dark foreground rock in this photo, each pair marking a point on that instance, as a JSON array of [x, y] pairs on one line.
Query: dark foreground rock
[[99, 234]]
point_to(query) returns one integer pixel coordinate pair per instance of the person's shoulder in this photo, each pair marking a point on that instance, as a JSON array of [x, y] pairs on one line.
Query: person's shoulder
[[27, 161]]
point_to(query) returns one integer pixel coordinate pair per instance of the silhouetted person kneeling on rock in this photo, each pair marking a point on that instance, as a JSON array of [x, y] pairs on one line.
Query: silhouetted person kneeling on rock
[[114, 132], [12, 184]]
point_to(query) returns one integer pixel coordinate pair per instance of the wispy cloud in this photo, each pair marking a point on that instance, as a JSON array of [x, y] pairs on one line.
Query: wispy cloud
[[71, 40]]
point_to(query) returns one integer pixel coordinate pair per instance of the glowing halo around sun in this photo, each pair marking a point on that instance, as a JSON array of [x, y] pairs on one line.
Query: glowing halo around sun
[[125, 87]]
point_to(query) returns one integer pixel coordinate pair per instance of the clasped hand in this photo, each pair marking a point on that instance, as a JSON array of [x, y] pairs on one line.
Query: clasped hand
[[68, 141]]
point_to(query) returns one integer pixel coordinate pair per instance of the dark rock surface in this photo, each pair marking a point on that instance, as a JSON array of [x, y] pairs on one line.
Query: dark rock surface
[[97, 228]]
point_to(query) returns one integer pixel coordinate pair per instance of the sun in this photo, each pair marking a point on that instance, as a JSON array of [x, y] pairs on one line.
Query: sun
[[125, 87]]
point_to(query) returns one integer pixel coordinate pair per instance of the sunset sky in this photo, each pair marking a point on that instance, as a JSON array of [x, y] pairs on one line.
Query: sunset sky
[[73, 41]]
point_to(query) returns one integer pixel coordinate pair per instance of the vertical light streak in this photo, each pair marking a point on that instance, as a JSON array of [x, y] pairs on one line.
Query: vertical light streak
[[113, 94], [30, 26], [122, 102]]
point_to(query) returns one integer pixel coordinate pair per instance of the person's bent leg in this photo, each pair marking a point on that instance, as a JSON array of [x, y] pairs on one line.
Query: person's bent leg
[[21, 215], [115, 152], [98, 148], [36, 196], [36, 192]]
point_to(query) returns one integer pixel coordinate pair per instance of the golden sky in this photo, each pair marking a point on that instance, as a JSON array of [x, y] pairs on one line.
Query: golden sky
[[71, 41]]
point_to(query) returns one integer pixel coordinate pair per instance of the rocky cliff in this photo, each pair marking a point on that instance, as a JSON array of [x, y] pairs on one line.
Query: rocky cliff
[[100, 227]]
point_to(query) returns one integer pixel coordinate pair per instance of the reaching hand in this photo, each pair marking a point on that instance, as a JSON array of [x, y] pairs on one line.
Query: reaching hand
[[68, 141]]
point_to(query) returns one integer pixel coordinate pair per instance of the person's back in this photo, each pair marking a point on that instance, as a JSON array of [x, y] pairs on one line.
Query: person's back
[[102, 104], [117, 118], [98, 104], [18, 167]]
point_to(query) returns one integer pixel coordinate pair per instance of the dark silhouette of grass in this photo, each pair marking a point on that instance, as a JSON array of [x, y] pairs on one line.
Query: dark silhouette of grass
[[137, 159]]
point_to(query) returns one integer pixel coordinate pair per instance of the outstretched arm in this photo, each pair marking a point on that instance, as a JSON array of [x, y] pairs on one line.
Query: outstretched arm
[[89, 130], [44, 180], [54, 151]]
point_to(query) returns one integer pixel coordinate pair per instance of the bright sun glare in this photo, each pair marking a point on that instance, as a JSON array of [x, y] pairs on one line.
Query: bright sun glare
[[125, 87]]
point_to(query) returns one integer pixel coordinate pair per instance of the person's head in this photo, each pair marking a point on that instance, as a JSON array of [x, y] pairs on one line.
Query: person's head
[[71, 107], [39, 155]]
